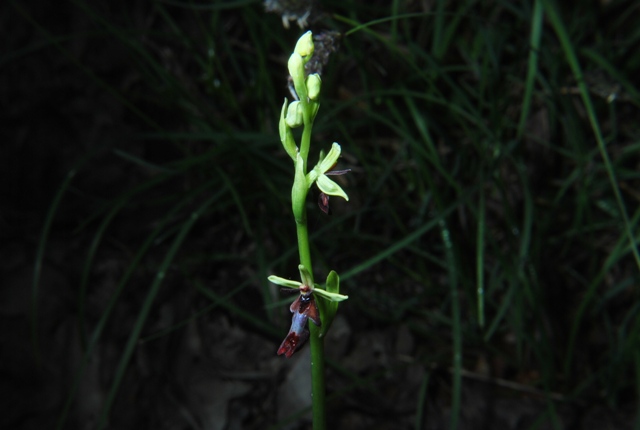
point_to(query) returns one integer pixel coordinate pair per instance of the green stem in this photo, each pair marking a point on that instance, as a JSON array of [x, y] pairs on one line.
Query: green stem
[[303, 242], [305, 140], [316, 342], [317, 377]]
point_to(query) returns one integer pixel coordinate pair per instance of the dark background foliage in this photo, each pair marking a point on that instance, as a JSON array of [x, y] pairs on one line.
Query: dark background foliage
[[486, 248]]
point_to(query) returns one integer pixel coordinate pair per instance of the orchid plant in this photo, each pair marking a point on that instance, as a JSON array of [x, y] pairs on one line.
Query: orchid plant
[[301, 113]]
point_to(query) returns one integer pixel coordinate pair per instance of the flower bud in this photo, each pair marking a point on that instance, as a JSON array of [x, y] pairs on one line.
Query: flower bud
[[304, 46], [294, 115], [313, 86], [296, 67]]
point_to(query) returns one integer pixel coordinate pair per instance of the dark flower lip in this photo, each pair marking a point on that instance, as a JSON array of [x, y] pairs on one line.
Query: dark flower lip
[[323, 203], [292, 343], [305, 305], [303, 308]]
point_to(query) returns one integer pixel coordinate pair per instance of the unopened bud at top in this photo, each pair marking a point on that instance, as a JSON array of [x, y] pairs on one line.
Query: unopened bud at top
[[304, 47]]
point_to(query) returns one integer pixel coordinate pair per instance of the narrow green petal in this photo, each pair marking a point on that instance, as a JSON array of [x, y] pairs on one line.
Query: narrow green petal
[[333, 297], [329, 187], [284, 282]]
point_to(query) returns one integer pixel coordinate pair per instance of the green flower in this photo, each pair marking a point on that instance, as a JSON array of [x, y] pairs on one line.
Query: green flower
[[319, 174]]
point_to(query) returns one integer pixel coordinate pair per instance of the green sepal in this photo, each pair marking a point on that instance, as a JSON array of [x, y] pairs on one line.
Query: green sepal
[[305, 276], [329, 307], [330, 188]]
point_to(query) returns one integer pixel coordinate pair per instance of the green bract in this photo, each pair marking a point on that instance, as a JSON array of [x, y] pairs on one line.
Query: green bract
[[299, 191], [328, 310], [286, 136]]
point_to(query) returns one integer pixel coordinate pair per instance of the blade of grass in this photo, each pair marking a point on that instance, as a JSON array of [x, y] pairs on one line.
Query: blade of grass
[[124, 280], [480, 254], [146, 309], [561, 31], [358, 26], [572, 59], [100, 82], [37, 270], [400, 244], [86, 271], [238, 201], [422, 401], [532, 70], [456, 395]]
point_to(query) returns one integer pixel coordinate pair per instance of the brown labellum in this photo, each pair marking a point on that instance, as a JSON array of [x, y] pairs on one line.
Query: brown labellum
[[323, 203]]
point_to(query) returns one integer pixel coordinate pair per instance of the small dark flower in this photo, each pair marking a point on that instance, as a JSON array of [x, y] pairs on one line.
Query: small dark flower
[[303, 308]]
